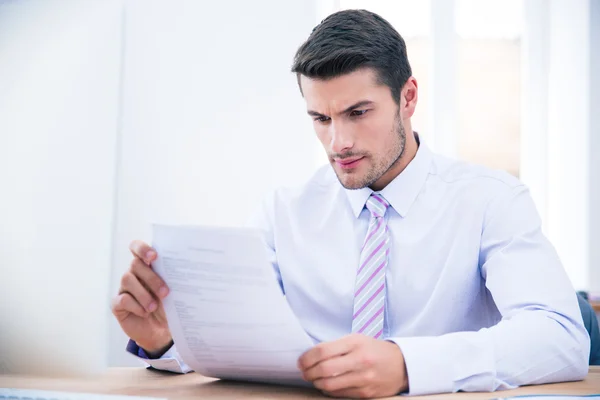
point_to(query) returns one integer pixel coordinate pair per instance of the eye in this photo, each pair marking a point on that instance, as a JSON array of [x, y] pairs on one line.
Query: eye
[[322, 118], [358, 113]]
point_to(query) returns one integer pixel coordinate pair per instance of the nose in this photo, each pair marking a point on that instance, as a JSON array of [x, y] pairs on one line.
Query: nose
[[341, 138]]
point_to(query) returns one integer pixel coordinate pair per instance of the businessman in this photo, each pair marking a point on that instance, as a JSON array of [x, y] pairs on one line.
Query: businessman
[[418, 274]]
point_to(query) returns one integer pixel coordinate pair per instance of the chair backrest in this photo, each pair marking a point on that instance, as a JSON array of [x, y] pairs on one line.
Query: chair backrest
[[591, 325]]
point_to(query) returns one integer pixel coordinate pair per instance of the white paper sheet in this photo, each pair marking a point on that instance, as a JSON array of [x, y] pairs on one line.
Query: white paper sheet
[[227, 314], [550, 397], [23, 394]]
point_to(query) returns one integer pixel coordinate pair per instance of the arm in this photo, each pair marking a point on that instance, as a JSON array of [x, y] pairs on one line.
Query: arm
[[263, 220], [541, 337]]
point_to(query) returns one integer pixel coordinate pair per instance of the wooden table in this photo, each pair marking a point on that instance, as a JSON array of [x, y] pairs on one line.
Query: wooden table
[[143, 382]]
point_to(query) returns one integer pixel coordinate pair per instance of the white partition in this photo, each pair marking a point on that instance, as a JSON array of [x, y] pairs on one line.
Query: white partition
[[59, 80], [594, 149], [212, 116], [561, 129]]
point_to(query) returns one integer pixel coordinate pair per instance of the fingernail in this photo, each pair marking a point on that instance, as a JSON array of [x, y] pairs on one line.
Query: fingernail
[[150, 255], [152, 306], [163, 291]]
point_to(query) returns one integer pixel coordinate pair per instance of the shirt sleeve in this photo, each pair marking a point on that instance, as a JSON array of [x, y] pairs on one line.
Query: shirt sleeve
[[541, 337], [169, 361], [263, 220]]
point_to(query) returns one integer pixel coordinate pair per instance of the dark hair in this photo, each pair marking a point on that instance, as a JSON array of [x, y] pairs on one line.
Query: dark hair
[[352, 39]]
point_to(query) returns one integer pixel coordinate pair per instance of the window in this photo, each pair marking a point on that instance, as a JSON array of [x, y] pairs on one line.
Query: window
[[488, 82], [486, 110]]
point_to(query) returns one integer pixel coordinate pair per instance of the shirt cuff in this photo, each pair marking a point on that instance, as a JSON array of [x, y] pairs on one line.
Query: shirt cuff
[[445, 364], [169, 361]]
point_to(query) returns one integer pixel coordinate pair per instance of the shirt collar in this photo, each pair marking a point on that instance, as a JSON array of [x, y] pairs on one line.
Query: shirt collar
[[400, 192]]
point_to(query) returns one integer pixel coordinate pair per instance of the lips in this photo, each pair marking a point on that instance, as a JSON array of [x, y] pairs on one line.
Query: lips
[[348, 163]]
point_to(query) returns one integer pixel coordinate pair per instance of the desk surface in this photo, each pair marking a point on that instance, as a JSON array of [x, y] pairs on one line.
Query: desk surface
[[143, 382]]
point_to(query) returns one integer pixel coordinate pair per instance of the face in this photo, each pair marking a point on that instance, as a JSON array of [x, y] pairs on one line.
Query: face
[[360, 126]]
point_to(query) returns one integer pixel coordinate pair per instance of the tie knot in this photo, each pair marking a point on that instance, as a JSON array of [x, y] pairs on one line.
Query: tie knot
[[377, 205]]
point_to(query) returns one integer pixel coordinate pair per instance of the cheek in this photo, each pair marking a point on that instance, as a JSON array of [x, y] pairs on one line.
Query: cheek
[[373, 135], [322, 134]]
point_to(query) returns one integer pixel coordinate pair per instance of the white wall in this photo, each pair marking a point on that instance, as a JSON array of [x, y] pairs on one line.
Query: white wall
[[561, 129], [212, 117], [535, 48], [442, 112], [59, 78], [594, 149], [568, 136]]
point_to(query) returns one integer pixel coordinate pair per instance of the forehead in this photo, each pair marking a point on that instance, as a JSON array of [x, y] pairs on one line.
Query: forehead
[[343, 90]]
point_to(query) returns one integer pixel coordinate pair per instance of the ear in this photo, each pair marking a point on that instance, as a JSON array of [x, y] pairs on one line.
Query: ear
[[408, 98]]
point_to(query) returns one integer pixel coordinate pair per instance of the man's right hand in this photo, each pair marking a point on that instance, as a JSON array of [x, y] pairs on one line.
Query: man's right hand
[[138, 306]]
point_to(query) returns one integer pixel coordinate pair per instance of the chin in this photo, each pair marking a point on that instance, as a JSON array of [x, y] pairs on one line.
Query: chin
[[353, 186], [351, 181]]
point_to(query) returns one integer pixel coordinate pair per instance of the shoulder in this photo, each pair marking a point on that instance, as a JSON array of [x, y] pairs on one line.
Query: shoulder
[[472, 178], [304, 197], [469, 189], [312, 192]]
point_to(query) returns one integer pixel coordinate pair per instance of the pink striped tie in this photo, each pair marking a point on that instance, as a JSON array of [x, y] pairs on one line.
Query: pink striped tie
[[369, 294]]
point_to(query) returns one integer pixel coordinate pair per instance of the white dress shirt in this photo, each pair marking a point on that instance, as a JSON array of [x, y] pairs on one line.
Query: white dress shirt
[[476, 296]]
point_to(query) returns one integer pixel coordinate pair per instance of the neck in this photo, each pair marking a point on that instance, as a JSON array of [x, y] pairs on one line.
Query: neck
[[410, 151]]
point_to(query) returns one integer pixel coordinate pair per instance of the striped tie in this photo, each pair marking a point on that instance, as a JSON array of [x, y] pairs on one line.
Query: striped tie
[[369, 294]]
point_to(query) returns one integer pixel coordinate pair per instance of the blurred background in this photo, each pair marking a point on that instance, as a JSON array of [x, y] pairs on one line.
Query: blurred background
[[116, 114]]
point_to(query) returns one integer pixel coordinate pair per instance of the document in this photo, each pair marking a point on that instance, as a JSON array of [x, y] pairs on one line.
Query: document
[[29, 394], [549, 397], [227, 314]]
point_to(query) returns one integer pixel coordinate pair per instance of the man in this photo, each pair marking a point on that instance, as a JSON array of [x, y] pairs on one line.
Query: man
[[417, 274]]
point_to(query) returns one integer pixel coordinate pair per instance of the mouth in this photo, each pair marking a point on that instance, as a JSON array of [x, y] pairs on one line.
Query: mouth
[[348, 163]]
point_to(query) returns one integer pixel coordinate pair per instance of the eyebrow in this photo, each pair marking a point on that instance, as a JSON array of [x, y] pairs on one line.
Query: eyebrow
[[354, 106]]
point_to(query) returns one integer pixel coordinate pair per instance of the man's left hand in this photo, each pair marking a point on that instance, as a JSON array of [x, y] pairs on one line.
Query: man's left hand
[[356, 366]]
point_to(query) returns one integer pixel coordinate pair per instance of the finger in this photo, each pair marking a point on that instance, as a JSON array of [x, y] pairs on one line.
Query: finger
[[149, 278], [126, 303], [332, 367], [160, 314], [364, 392], [350, 380], [326, 350], [130, 284], [142, 251]]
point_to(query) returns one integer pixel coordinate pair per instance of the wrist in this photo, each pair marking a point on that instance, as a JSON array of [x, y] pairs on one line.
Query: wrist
[[156, 351], [404, 386], [401, 368]]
